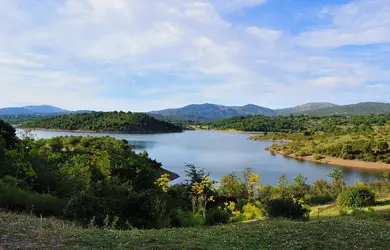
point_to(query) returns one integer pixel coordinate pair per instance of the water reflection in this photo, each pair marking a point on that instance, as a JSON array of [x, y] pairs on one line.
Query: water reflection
[[142, 145]]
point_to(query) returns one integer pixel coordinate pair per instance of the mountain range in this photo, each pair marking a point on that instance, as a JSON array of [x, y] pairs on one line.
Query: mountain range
[[37, 110], [210, 112]]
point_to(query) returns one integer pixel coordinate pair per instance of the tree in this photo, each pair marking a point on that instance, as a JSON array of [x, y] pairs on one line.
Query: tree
[[194, 175], [201, 195], [163, 182], [367, 147], [383, 146], [338, 182], [346, 150], [232, 186], [300, 188], [336, 175], [8, 133], [2, 148], [300, 180], [283, 184], [253, 182]]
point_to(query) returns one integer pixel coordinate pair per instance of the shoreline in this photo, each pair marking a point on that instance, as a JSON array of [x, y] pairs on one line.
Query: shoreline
[[271, 140], [339, 162], [227, 131], [97, 132]]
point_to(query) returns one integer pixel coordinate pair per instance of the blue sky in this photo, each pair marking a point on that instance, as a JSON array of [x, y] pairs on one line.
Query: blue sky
[[142, 55]]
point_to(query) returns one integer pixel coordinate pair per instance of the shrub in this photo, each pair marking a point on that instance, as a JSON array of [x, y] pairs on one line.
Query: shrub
[[252, 211], [369, 214], [188, 219], [287, 208], [317, 157], [216, 216], [383, 146], [265, 193], [19, 200], [356, 197], [321, 199], [321, 187]]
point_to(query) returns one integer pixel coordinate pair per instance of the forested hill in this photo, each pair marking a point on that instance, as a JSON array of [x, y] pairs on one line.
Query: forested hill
[[105, 122], [352, 109], [210, 112], [298, 123]]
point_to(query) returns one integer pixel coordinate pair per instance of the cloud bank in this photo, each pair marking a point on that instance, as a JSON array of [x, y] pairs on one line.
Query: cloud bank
[[142, 55]]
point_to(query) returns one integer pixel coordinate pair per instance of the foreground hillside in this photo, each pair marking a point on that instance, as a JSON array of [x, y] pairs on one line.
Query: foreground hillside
[[105, 121], [23, 231]]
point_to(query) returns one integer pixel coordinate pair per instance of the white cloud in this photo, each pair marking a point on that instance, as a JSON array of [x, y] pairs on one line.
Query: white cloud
[[145, 54], [265, 35], [359, 22], [231, 5], [9, 61]]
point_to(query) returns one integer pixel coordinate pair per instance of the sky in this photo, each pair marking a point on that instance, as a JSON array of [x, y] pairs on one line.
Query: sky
[[142, 55]]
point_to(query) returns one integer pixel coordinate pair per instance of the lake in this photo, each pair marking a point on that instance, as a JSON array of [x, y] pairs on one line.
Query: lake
[[220, 154]]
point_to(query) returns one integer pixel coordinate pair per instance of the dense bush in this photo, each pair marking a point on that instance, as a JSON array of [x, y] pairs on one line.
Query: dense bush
[[188, 219], [287, 208], [317, 157], [356, 197], [252, 211], [7, 133], [217, 216], [82, 178], [321, 199], [19, 200], [266, 193]]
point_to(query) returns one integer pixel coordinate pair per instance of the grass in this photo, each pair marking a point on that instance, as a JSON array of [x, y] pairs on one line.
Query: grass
[[27, 232], [326, 230]]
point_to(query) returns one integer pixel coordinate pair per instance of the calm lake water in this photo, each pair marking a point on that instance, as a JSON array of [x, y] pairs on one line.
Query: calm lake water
[[220, 154]]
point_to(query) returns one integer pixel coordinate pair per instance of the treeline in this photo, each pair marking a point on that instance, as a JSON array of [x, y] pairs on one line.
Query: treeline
[[299, 123], [18, 119], [106, 122], [352, 109]]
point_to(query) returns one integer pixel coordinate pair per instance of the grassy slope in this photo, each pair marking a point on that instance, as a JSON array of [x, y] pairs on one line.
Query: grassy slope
[[332, 232]]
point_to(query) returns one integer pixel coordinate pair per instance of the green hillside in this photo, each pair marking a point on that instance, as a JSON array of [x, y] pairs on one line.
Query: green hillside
[[23, 231], [352, 109], [308, 107], [105, 121], [297, 123]]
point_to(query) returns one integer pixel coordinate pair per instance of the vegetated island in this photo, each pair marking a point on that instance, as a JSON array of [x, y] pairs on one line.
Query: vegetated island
[[357, 141], [114, 122]]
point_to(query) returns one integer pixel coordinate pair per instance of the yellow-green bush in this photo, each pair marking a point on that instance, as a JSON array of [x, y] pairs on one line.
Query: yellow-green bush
[[356, 197]]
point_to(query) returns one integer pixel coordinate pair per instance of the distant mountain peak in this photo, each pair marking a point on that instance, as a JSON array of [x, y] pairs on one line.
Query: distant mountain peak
[[36, 109], [305, 107], [209, 111]]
